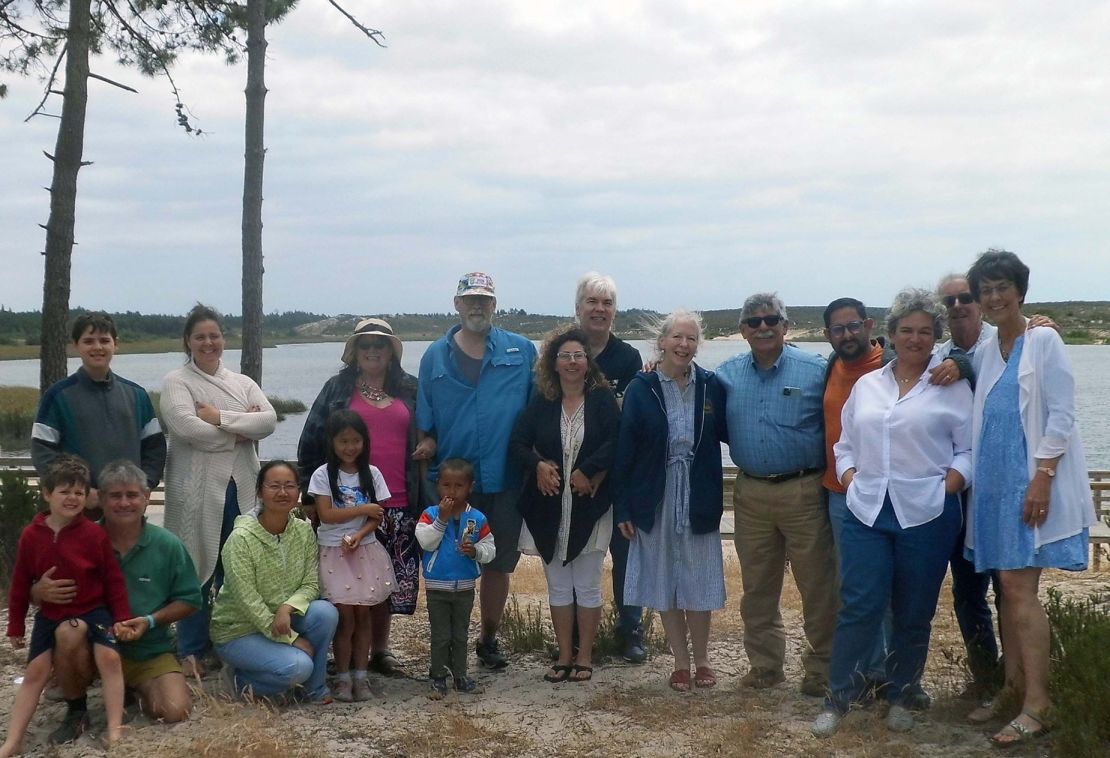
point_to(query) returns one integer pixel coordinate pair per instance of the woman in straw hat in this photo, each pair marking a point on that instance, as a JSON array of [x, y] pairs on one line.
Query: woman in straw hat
[[372, 384]]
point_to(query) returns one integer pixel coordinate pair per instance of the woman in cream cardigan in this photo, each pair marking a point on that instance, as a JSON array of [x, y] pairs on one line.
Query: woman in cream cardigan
[[213, 418], [1031, 502]]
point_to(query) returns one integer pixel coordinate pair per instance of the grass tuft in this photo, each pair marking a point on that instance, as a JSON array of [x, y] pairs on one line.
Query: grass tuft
[[525, 630], [1080, 672]]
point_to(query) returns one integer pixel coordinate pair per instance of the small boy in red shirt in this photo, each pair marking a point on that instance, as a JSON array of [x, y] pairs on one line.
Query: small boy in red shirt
[[78, 549]]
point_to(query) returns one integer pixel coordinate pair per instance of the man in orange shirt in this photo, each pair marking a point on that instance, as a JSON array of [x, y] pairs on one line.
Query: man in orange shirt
[[848, 330]]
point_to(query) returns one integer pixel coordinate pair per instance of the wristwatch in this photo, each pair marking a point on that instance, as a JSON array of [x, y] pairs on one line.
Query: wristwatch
[[1050, 471]]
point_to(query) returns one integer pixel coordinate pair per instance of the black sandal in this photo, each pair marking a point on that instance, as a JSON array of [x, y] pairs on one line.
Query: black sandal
[[588, 670], [558, 674]]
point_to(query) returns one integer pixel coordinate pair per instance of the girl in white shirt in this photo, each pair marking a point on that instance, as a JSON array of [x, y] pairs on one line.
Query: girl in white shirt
[[356, 572]]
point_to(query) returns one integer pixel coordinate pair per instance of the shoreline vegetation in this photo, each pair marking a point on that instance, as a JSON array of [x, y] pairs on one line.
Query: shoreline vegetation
[[18, 406], [1082, 322]]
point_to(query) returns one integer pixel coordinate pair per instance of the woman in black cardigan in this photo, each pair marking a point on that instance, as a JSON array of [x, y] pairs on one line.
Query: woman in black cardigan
[[565, 441]]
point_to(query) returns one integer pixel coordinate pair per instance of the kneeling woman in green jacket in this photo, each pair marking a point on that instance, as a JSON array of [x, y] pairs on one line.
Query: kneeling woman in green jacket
[[268, 623]]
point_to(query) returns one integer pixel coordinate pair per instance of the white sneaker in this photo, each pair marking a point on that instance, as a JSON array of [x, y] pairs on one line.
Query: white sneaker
[[899, 719], [826, 724]]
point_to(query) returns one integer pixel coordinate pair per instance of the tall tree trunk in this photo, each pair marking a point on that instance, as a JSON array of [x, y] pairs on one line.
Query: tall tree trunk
[[68, 152], [254, 158]]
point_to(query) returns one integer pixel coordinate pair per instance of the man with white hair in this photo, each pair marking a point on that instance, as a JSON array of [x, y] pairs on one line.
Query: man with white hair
[[474, 382], [595, 306]]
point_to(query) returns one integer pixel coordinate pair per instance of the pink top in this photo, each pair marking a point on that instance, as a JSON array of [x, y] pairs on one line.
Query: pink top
[[389, 436]]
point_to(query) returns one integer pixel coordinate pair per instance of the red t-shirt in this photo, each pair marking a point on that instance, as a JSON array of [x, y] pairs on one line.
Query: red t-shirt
[[81, 551]]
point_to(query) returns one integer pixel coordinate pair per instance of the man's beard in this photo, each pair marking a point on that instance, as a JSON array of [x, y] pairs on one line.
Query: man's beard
[[478, 323]]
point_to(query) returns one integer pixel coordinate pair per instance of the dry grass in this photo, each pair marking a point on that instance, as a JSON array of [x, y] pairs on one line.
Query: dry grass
[[459, 731]]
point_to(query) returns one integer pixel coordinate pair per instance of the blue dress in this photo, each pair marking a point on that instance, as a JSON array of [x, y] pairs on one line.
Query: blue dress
[[1002, 540]]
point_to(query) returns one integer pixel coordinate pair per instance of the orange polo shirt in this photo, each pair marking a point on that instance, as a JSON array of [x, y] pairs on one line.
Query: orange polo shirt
[[841, 380]]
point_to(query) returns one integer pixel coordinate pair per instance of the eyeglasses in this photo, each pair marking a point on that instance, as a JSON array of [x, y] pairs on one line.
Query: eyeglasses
[[852, 327], [576, 356], [964, 298], [373, 344], [276, 488], [998, 289], [755, 321]]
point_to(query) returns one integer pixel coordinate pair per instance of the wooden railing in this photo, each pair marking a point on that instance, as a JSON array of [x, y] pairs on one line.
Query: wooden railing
[[1100, 494]]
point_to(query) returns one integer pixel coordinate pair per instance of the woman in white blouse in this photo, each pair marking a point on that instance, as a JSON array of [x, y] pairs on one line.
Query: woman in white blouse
[[213, 417], [904, 454]]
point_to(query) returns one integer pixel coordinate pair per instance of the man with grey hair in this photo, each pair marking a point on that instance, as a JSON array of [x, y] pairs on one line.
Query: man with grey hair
[[162, 588], [595, 307], [474, 382], [776, 438]]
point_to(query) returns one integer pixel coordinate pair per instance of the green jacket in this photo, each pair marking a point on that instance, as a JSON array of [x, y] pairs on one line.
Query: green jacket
[[263, 571]]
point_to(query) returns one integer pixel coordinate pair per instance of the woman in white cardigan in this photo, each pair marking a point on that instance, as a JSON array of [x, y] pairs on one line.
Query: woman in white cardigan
[[213, 418], [1031, 503]]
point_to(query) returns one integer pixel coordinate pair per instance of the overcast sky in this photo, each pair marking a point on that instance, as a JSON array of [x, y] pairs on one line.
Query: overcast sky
[[697, 151]]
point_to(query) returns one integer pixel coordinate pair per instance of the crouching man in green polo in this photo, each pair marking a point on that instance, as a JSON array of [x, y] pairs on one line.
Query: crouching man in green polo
[[162, 587]]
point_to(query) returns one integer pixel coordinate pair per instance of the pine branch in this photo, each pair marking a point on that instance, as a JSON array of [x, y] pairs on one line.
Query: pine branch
[[376, 36], [113, 83], [49, 88]]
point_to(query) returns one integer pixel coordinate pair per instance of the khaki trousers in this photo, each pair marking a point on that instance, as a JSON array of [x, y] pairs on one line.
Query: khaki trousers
[[776, 523]]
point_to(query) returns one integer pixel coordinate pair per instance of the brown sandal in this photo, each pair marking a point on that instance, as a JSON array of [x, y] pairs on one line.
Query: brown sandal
[[704, 677], [680, 681]]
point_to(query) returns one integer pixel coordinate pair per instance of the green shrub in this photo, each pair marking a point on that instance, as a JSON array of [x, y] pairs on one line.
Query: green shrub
[[527, 630], [1080, 674], [18, 505]]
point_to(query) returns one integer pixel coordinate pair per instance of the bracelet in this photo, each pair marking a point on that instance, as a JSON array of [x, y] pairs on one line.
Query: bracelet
[[151, 624]]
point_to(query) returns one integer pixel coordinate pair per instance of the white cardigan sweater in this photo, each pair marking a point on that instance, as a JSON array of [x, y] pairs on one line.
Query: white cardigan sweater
[[1046, 388], [202, 458]]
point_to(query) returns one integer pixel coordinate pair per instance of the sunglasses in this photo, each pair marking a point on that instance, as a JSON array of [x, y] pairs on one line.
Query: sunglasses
[[755, 321], [852, 327], [964, 298], [378, 343]]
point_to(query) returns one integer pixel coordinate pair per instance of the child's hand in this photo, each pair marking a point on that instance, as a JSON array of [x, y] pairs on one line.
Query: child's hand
[[448, 508], [349, 543], [375, 512], [18, 642], [466, 547]]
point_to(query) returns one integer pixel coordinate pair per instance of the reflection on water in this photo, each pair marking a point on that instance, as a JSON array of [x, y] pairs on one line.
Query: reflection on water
[[299, 371]]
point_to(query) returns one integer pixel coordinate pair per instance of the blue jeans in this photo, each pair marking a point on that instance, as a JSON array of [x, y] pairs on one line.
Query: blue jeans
[[192, 631], [880, 566], [629, 617], [874, 664], [271, 668], [973, 612]]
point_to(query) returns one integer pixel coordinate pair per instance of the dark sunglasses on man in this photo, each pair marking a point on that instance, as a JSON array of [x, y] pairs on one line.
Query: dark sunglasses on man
[[755, 321], [965, 298], [852, 327]]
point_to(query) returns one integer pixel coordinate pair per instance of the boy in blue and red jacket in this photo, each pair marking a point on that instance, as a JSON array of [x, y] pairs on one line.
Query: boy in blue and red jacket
[[456, 539]]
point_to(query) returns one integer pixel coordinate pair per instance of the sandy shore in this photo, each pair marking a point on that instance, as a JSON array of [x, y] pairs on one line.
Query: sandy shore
[[625, 710]]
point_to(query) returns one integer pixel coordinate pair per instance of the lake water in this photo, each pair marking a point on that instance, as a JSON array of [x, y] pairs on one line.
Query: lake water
[[299, 371]]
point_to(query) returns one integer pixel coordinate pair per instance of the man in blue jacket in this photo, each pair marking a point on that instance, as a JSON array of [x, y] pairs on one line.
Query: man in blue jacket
[[473, 383]]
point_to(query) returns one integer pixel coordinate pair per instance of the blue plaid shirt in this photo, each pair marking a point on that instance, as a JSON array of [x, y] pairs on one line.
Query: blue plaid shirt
[[775, 416]]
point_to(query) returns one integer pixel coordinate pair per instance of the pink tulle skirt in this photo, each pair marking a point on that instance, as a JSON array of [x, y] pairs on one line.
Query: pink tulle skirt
[[363, 576]]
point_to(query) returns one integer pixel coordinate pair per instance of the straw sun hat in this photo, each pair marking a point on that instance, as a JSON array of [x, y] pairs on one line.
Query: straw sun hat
[[371, 327]]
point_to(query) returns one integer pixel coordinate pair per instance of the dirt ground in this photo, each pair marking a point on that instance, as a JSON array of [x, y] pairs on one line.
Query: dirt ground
[[625, 710]]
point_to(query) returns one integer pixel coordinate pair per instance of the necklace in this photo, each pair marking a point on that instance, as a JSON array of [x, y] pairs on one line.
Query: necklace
[[907, 381], [371, 394]]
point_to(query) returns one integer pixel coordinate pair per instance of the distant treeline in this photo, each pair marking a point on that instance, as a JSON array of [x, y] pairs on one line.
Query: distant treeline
[[1082, 322]]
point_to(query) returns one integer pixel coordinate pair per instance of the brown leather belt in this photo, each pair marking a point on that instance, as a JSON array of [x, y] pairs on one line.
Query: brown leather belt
[[780, 478]]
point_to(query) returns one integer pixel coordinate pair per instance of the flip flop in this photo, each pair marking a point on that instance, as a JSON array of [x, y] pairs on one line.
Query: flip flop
[[1019, 732], [680, 681], [704, 677], [558, 674], [587, 670]]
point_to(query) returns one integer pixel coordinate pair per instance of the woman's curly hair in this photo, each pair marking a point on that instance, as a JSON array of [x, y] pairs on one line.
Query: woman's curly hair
[[547, 380]]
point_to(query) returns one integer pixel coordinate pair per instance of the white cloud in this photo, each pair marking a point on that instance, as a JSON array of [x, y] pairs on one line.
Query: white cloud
[[696, 151]]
